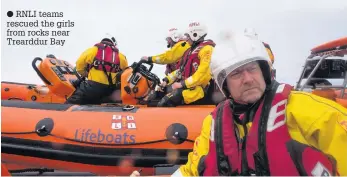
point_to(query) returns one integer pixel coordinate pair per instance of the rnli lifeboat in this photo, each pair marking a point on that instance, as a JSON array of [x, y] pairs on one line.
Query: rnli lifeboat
[[326, 64], [103, 139], [107, 139]]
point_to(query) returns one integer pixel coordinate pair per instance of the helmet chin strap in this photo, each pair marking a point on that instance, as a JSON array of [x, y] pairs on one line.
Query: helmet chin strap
[[240, 108], [238, 101]]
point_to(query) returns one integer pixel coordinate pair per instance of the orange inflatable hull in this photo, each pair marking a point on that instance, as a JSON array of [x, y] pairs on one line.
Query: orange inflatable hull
[[28, 92], [103, 140], [331, 45], [4, 170]]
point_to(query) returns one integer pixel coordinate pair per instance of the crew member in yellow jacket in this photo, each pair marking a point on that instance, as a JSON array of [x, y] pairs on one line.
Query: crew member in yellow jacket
[[191, 79], [265, 128], [171, 57], [102, 65]]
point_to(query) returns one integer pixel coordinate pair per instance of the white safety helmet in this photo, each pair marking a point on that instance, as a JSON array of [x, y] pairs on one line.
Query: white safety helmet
[[196, 30], [251, 32], [174, 34], [110, 37], [235, 50]]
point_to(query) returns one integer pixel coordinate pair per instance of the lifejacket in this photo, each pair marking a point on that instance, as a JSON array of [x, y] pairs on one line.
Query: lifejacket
[[268, 148], [190, 60], [107, 59], [170, 68]]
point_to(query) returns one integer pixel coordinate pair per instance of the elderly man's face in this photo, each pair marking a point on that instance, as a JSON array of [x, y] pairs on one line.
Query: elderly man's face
[[246, 84]]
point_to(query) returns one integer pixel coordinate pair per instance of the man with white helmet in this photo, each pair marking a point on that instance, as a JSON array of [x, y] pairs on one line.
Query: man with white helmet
[[191, 79], [102, 65], [171, 57], [265, 128]]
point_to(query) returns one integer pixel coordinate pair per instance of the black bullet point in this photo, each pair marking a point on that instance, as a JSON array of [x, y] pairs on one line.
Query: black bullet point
[[9, 13]]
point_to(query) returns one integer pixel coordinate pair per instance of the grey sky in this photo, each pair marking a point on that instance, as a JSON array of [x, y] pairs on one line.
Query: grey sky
[[291, 27]]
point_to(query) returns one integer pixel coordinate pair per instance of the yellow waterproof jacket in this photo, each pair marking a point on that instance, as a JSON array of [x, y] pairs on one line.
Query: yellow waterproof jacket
[[202, 76], [99, 76], [311, 120], [172, 55]]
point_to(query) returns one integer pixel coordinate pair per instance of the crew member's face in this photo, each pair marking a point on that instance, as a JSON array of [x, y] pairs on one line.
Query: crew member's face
[[246, 84]]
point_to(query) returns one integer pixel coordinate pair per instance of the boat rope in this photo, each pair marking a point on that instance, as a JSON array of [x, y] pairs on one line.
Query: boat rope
[[40, 170], [106, 144], [18, 133]]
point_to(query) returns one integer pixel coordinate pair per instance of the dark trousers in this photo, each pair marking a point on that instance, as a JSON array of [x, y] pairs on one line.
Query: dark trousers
[[172, 99], [90, 92]]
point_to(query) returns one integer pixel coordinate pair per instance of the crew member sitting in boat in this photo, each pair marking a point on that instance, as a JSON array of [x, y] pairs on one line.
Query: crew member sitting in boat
[[191, 80], [171, 57], [101, 64]]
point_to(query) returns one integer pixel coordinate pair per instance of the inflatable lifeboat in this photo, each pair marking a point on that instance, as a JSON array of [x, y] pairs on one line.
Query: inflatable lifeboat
[[100, 139], [60, 81], [327, 61], [108, 139]]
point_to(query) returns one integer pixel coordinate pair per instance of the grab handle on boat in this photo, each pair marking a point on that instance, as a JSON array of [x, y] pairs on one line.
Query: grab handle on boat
[[42, 129], [39, 72], [128, 107], [140, 63]]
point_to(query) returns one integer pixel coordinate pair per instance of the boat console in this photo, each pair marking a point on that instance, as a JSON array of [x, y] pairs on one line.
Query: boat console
[[326, 64], [58, 75]]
